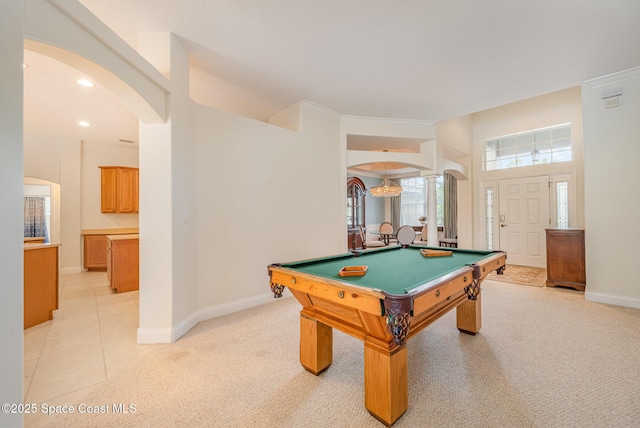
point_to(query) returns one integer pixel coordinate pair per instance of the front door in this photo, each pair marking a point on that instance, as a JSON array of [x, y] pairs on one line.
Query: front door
[[524, 216]]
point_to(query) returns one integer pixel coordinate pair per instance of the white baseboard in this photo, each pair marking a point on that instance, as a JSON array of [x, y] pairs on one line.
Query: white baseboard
[[236, 306], [147, 336], [70, 270], [170, 335], [609, 299], [186, 325]]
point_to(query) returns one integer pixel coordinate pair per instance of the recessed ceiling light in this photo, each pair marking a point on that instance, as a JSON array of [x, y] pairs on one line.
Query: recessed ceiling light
[[85, 82], [84, 123]]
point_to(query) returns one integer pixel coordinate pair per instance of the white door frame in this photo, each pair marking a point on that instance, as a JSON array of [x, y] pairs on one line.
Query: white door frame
[[569, 176]]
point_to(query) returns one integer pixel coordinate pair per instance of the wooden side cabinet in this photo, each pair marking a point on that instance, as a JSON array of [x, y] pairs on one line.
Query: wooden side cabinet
[[123, 262], [119, 189], [566, 265]]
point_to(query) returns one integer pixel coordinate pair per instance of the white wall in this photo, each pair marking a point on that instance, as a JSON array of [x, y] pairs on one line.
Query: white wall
[[457, 133], [94, 155], [545, 110], [43, 155], [11, 209], [58, 159], [70, 209], [73, 164], [612, 199], [265, 194], [374, 206]]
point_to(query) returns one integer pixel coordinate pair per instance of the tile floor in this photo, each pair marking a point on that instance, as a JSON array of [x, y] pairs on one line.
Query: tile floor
[[91, 337]]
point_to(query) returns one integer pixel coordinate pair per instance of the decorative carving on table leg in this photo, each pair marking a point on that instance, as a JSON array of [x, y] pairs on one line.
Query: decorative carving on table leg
[[277, 289], [398, 316], [501, 269], [473, 289], [398, 325]]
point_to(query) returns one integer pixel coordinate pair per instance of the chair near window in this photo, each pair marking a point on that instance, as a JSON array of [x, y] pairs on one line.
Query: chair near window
[[422, 238], [387, 234], [406, 235], [449, 242], [368, 244]]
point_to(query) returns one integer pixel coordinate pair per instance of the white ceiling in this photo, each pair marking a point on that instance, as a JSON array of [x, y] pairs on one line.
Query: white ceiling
[[404, 59], [54, 103]]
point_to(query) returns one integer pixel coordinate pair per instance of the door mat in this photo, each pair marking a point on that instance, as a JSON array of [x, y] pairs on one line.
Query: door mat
[[525, 275]]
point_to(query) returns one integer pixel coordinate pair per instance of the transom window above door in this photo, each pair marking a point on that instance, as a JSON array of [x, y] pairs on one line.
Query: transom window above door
[[535, 147]]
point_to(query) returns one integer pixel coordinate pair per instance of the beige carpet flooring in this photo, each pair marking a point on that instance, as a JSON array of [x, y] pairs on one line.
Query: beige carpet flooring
[[544, 358], [524, 275]]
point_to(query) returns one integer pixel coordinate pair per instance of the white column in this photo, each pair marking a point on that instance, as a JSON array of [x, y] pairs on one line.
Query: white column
[[168, 281], [11, 210], [432, 211]]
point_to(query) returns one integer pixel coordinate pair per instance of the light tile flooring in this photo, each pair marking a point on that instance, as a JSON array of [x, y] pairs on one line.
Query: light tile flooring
[[91, 337]]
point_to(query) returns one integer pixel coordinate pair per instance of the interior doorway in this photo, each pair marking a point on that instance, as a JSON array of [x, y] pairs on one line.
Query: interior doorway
[[524, 216]]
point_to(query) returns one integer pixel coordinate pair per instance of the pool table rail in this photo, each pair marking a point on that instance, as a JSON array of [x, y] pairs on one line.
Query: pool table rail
[[355, 296]]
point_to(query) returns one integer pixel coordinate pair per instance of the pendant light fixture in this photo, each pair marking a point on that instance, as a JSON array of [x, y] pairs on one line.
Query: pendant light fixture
[[387, 188]]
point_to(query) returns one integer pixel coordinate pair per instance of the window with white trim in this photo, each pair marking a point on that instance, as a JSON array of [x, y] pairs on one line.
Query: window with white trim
[[535, 147], [413, 203], [412, 200]]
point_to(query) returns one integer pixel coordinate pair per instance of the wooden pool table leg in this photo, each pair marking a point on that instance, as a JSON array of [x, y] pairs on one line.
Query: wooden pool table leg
[[469, 315], [316, 345], [386, 390]]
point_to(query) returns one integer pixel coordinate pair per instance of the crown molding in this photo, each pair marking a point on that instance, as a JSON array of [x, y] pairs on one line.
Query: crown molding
[[321, 110], [388, 121], [608, 79]]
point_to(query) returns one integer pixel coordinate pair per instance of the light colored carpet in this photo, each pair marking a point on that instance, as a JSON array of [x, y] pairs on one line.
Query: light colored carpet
[[544, 358], [525, 275]]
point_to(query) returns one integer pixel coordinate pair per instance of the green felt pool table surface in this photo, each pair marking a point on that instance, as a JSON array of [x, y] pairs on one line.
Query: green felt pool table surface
[[395, 270]]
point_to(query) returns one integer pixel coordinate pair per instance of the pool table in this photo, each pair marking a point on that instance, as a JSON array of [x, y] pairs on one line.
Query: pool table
[[401, 292]]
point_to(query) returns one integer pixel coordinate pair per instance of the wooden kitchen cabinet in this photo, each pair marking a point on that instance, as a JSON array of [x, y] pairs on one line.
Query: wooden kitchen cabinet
[[95, 252], [136, 190], [95, 246], [123, 262], [566, 265], [119, 189], [40, 283]]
